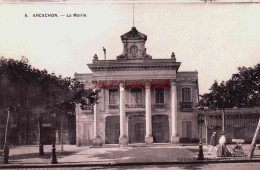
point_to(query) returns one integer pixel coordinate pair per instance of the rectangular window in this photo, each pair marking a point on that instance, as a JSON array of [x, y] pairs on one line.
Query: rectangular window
[[159, 95], [113, 96], [136, 96], [186, 95]]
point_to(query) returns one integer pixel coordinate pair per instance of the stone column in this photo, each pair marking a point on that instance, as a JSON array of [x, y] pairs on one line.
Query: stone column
[[97, 139], [174, 135], [122, 139], [78, 111], [148, 114]]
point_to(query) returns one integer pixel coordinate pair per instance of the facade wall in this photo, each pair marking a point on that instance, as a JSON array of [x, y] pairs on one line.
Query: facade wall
[[86, 117]]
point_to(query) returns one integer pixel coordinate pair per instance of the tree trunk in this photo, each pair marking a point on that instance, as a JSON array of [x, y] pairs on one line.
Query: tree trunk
[[253, 144], [61, 134], [6, 128], [41, 151], [27, 124]]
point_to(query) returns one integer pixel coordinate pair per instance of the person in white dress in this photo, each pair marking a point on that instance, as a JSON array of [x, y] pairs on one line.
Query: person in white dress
[[222, 150]]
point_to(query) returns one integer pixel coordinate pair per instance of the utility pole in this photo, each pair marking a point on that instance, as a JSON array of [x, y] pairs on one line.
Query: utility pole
[[253, 144], [200, 155], [6, 148], [223, 119], [206, 124]]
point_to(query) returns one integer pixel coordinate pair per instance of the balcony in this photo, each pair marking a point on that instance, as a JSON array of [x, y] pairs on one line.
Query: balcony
[[128, 107], [135, 107], [186, 107], [113, 106], [159, 107]]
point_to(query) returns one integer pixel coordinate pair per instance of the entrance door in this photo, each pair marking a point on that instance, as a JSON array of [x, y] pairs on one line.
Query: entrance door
[[186, 131], [136, 129], [112, 129], [160, 129], [87, 133]]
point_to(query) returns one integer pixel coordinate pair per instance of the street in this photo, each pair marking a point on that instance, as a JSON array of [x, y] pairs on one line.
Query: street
[[219, 166], [132, 157]]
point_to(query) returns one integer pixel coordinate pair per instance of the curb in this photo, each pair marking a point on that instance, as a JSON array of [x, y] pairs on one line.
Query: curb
[[113, 164]]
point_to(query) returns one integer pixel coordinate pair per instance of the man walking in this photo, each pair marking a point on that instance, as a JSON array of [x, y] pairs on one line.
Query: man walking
[[213, 142]]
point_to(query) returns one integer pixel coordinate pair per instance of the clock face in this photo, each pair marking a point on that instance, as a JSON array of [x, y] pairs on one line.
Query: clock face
[[134, 50]]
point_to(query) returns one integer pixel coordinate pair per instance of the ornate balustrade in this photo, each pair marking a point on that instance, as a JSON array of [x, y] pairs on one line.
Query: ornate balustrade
[[113, 106], [159, 107], [88, 109], [186, 107], [135, 106]]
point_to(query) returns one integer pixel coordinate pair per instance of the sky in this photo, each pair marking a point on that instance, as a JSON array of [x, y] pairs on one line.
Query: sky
[[214, 38]]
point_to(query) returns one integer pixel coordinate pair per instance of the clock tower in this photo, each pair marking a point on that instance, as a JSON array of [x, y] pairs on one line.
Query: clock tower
[[134, 46]]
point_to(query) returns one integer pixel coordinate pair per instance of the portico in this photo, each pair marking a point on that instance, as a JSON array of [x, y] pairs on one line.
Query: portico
[[125, 106]]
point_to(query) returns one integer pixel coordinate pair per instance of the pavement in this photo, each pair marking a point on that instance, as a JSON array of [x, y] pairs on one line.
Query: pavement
[[27, 156]]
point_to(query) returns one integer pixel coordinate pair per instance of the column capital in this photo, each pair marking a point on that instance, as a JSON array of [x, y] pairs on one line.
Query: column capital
[[147, 84], [78, 108], [121, 86], [97, 84], [173, 82], [78, 105]]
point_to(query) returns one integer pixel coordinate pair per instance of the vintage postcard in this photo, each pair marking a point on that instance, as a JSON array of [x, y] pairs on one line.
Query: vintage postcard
[[142, 84]]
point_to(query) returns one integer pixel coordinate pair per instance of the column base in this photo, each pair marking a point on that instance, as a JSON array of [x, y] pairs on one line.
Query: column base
[[123, 141], [175, 140], [97, 141], [148, 139]]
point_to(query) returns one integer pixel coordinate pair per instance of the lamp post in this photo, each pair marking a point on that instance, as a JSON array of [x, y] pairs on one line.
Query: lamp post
[[200, 155], [53, 156]]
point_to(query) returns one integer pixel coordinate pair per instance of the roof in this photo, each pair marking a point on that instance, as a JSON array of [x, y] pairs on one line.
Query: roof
[[134, 35]]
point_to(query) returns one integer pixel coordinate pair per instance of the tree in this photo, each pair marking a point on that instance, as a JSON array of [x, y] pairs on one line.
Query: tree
[[28, 89], [242, 90]]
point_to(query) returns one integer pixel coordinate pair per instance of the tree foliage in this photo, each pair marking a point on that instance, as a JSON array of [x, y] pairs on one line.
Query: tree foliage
[[242, 90], [25, 87]]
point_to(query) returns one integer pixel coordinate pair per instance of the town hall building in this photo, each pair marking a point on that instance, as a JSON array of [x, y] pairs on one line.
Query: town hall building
[[142, 99]]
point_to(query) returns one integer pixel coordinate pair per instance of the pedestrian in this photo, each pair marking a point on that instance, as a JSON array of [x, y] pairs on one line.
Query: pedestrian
[[213, 142], [222, 148]]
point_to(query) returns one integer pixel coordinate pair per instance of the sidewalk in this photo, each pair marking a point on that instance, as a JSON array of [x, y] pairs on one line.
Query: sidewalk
[[107, 155]]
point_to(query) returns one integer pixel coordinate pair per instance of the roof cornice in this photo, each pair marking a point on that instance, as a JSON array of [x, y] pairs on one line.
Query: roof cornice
[[128, 65]]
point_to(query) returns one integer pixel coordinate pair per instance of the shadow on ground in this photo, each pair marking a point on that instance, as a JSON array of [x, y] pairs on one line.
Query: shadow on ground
[[144, 154], [47, 155], [189, 166]]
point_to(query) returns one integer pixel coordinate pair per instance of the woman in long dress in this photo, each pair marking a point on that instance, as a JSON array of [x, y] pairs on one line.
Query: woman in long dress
[[222, 150], [213, 142]]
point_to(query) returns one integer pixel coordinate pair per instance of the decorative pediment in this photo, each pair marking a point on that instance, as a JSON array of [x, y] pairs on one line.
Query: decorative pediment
[[134, 35]]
